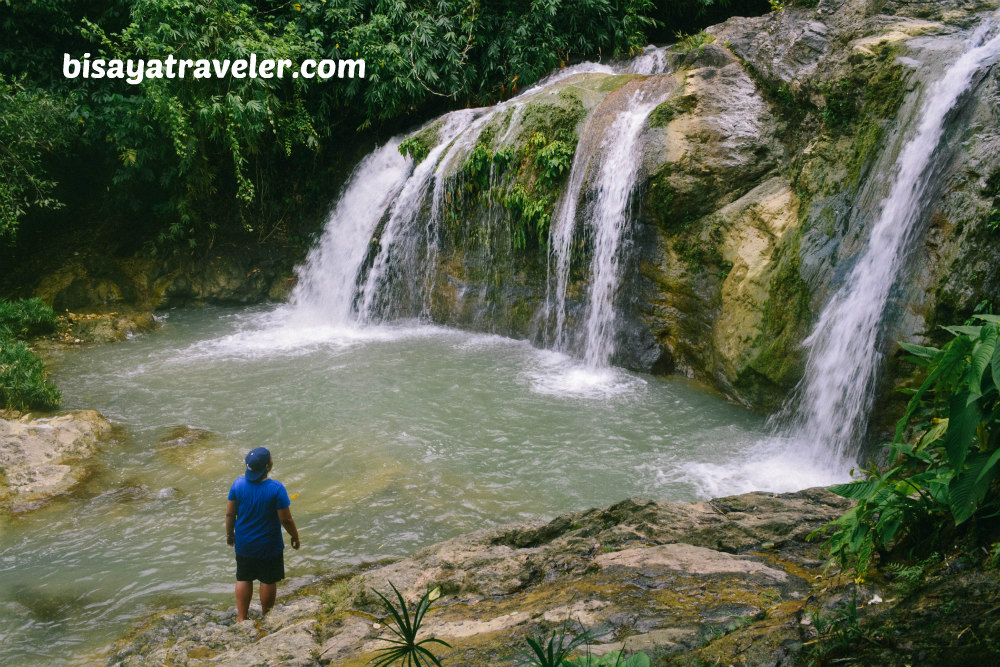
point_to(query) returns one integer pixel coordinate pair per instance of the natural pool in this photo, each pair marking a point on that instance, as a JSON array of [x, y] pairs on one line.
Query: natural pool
[[393, 438]]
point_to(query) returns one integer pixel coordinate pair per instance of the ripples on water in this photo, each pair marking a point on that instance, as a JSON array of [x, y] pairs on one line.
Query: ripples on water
[[394, 437]]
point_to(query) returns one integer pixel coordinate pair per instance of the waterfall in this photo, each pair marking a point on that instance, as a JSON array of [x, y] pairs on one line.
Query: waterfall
[[392, 277], [607, 217], [327, 282], [832, 400], [378, 255]]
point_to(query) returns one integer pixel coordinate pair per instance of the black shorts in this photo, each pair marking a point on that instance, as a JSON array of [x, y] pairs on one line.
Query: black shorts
[[267, 570]]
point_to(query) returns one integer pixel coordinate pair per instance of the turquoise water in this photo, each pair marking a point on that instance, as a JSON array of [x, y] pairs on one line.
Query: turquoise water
[[393, 438]]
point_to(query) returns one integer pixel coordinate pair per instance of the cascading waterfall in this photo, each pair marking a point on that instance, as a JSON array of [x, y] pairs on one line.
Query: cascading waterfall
[[609, 218], [327, 296], [831, 410], [398, 207], [395, 264]]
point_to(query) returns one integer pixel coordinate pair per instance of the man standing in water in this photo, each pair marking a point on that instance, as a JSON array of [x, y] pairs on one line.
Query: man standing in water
[[257, 509]]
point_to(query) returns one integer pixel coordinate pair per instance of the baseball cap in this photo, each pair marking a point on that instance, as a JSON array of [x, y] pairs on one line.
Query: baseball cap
[[257, 461]]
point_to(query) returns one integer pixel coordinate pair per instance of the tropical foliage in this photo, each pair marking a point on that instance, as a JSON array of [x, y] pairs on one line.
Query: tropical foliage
[[240, 157], [944, 459], [404, 647], [23, 382]]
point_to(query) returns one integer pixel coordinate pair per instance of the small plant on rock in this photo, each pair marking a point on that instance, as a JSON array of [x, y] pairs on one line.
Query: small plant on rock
[[404, 648]]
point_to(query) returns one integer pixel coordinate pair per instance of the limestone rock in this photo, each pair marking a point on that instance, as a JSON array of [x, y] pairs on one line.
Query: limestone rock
[[657, 575], [42, 458]]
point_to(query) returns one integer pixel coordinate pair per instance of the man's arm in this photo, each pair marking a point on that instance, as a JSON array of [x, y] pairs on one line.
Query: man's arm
[[231, 523], [285, 517]]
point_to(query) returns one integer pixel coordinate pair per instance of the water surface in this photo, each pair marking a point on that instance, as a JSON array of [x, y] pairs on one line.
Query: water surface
[[393, 437]]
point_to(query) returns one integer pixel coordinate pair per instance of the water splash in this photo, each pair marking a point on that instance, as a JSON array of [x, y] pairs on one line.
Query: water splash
[[844, 354]]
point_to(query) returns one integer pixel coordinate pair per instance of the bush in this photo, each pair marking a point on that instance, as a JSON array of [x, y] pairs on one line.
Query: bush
[[944, 458], [22, 379], [25, 318]]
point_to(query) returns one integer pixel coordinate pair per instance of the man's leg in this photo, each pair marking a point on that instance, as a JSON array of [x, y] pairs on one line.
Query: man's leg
[[267, 594], [244, 591]]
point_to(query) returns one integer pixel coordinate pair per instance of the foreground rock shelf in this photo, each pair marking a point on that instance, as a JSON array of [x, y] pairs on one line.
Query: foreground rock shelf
[[730, 581], [665, 578]]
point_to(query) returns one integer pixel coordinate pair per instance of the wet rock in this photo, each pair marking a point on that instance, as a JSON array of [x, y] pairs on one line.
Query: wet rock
[[200, 451], [641, 570], [42, 458]]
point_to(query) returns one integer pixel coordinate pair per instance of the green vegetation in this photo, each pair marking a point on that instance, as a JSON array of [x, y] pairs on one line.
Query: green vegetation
[[22, 379], [993, 190], [667, 111], [693, 43], [25, 318], [23, 385], [523, 179], [201, 161], [405, 649], [32, 124], [557, 649], [943, 460]]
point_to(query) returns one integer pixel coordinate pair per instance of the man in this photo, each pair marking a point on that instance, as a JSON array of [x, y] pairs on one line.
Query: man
[[257, 509]]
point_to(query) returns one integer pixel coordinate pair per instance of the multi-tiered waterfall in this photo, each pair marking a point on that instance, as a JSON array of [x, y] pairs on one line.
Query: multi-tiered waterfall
[[378, 257]]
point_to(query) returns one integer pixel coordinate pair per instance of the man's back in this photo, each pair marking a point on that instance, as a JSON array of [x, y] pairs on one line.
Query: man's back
[[258, 529]]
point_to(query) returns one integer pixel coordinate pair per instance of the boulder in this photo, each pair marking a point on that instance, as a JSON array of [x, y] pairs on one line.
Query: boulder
[[45, 457]]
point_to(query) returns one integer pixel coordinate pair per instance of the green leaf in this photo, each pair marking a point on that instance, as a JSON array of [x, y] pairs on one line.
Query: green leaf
[[970, 331], [933, 434], [857, 490], [920, 350], [952, 356], [982, 354], [994, 319], [964, 418], [637, 660], [967, 490], [988, 466], [996, 367]]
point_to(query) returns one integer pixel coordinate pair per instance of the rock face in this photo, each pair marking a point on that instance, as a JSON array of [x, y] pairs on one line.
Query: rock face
[[729, 581], [762, 172], [100, 284], [657, 576], [42, 458]]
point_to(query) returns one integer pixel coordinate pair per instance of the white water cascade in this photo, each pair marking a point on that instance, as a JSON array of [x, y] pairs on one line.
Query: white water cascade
[[609, 219], [387, 191], [844, 356], [326, 296]]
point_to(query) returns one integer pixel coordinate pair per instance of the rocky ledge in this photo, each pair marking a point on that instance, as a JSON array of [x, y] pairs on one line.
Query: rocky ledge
[[45, 457], [731, 581]]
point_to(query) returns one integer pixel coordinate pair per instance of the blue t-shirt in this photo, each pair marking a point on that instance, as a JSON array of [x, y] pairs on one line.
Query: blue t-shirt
[[258, 530]]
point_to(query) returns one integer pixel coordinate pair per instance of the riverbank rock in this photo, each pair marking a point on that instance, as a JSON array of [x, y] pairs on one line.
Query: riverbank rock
[[42, 458], [98, 283], [659, 577], [728, 581]]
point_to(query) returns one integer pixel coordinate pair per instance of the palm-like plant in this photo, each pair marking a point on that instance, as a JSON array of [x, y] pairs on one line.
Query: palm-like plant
[[556, 650], [404, 647]]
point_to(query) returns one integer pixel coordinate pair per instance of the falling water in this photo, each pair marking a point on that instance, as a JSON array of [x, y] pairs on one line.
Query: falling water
[[395, 264], [843, 348], [326, 296], [609, 218]]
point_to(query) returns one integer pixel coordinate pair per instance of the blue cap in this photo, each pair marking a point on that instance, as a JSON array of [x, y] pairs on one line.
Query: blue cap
[[257, 461]]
